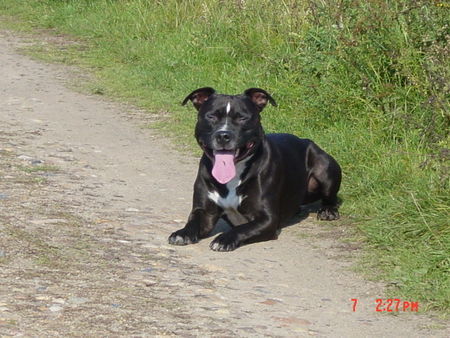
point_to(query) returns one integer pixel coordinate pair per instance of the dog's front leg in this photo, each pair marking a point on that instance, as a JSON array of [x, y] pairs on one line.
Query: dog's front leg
[[262, 228], [199, 225], [203, 217]]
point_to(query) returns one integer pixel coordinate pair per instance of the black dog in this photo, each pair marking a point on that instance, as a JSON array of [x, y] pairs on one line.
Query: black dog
[[255, 181]]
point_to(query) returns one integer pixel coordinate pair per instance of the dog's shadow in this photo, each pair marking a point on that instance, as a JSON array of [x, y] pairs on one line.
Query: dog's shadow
[[303, 213], [305, 210]]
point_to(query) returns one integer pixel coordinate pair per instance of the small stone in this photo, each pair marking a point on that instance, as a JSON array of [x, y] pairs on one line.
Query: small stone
[[55, 308], [25, 158], [270, 302], [77, 300], [150, 282], [292, 320], [59, 301], [223, 311], [48, 221], [42, 297], [132, 209], [3, 196]]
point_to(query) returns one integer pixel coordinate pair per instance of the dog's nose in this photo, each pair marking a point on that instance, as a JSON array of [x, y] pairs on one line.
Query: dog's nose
[[223, 137]]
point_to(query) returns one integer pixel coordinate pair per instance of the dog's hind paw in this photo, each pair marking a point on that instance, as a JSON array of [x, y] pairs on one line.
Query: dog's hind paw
[[328, 214], [182, 237]]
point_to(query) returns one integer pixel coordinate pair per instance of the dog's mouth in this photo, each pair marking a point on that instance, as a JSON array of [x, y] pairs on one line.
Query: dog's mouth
[[238, 154], [224, 161]]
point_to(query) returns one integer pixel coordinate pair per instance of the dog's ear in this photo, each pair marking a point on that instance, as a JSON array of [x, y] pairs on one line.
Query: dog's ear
[[199, 96], [260, 97]]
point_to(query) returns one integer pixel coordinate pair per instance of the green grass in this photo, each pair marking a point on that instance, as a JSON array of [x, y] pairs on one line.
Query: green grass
[[367, 80], [40, 169]]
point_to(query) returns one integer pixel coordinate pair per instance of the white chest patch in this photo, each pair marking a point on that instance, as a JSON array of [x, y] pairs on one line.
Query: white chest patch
[[232, 200]]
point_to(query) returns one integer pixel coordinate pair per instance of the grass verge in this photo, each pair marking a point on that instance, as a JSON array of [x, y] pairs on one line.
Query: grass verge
[[367, 80]]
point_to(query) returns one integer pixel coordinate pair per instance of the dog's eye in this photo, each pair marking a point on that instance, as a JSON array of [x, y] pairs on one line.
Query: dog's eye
[[211, 117], [241, 118]]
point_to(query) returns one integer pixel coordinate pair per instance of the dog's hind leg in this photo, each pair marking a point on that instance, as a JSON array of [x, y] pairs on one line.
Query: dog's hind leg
[[329, 210], [326, 179]]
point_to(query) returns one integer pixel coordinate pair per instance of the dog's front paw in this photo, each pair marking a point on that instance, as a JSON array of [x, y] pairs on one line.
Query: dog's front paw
[[328, 214], [183, 237], [225, 242]]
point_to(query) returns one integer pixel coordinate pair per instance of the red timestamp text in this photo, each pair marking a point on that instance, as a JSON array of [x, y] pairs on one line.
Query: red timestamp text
[[390, 305]]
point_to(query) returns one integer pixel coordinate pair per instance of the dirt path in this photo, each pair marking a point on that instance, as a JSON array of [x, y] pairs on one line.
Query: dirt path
[[87, 201]]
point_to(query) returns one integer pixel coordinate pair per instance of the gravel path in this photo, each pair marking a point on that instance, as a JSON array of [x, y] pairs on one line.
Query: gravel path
[[88, 198]]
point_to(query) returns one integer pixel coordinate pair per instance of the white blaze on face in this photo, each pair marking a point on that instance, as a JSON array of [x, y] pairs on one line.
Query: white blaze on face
[[228, 108]]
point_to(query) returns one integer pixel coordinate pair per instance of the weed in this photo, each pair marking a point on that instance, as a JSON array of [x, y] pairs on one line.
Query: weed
[[39, 169]]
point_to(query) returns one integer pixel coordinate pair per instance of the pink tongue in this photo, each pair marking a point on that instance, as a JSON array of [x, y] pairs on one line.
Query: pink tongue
[[224, 169]]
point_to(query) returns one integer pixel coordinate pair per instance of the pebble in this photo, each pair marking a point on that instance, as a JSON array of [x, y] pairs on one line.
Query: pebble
[[48, 221], [149, 282], [77, 300], [55, 308], [59, 301], [25, 158], [271, 302], [42, 297], [132, 209], [3, 196]]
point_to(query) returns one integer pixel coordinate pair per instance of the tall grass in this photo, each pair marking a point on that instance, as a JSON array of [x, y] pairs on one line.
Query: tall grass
[[367, 80]]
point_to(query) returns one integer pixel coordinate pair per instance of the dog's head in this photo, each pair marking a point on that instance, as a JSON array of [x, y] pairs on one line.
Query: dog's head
[[228, 127]]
